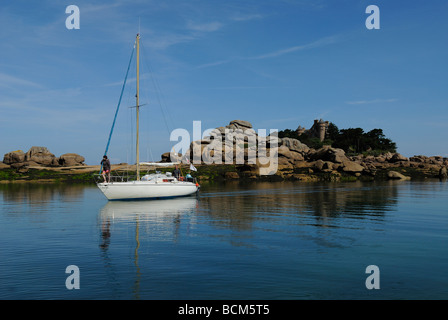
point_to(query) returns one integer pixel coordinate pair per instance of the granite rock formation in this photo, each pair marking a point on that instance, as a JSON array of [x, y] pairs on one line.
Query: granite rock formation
[[294, 156], [41, 157]]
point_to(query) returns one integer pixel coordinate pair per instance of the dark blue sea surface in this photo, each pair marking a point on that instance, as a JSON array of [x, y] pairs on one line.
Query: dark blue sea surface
[[232, 241]]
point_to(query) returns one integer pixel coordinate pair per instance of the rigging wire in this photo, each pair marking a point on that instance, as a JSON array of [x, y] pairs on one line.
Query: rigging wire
[[118, 106], [167, 118], [158, 93]]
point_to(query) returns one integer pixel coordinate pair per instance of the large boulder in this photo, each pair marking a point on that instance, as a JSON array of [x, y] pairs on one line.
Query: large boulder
[[70, 160], [284, 151], [351, 167], [319, 165], [419, 158], [295, 145], [14, 157], [398, 157], [40, 155], [327, 153], [239, 124]]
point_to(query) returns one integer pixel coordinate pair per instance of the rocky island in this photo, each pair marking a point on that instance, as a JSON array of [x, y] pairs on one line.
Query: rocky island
[[38, 163], [295, 161], [298, 161]]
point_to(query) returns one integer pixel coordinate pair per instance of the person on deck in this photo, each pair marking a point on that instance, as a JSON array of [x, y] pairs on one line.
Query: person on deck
[[189, 177], [176, 173], [105, 163]]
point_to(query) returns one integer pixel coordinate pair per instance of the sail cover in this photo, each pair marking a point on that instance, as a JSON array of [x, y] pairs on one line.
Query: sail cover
[[159, 164]]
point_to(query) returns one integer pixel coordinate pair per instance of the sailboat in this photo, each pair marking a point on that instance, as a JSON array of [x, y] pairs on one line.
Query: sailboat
[[150, 186]]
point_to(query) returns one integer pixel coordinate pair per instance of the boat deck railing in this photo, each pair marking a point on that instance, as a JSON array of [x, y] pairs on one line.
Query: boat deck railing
[[124, 177], [114, 178]]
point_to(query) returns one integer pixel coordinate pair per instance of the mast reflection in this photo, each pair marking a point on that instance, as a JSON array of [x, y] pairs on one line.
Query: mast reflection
[[153, 216]]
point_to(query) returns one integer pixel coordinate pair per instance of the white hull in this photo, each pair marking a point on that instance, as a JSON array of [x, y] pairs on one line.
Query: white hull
[[148, 210], [133, 190]]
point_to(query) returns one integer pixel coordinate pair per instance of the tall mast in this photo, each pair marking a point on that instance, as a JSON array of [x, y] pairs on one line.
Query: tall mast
[[138, 105]]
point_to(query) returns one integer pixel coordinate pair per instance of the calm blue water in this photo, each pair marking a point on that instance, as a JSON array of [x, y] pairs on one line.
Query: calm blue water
[[253, 241]]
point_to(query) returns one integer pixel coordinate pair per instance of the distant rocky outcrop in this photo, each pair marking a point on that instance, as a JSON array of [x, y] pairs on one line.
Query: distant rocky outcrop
[[294, 156], [71, 160], [239, 124], [41, 157]]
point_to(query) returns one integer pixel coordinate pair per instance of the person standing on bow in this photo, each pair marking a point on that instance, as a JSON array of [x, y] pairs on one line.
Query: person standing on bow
[[105, 163]]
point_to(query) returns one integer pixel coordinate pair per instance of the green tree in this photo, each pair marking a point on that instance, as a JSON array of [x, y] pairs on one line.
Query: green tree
[[351, 140], [333, 132], [288, 133], [376, 140]]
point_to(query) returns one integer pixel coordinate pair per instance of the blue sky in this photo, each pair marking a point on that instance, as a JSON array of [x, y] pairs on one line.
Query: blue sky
[[278, 64]]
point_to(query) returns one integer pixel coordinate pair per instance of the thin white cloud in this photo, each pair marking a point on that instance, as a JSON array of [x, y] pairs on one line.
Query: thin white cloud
[[360, 102], [9, 81], [192, 32], [318, 43]]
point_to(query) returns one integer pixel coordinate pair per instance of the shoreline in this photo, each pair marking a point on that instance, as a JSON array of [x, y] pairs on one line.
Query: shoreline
[[222, 172]]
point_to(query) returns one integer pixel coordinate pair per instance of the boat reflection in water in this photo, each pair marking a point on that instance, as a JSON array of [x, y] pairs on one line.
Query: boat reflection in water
[[147, 209], [156, 215], [152, 220]]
